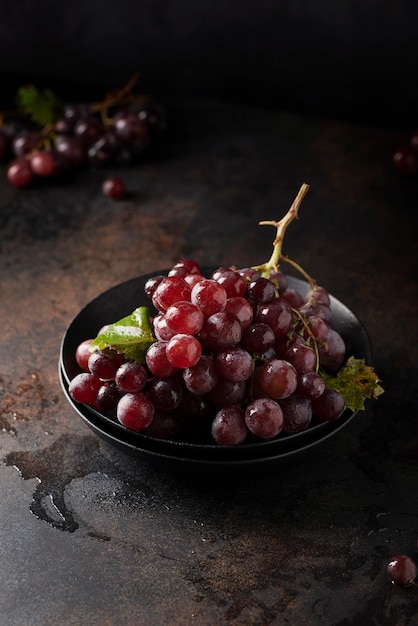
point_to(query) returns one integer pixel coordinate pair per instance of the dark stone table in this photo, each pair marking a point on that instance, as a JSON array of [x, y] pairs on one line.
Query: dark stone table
[[89, 535]]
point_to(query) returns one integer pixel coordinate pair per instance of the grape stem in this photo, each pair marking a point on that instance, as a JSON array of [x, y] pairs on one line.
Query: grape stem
[[272, 264], [120, 96]]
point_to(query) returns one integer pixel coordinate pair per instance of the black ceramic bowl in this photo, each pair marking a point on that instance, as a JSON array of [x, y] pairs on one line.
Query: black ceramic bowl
[[120, 301]]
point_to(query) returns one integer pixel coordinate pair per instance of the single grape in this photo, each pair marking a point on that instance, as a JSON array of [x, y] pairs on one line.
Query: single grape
[[278, 379], [297, 414], [332, 353], [184, 317], [104, 364], [89, 129], [209, 296], [130, 129], [165, 393], [258, 338], [310, 385], [157, 361], [201, 377], [302, 357], [293, 297], [190, 266], [319, 328], [107, 397], [114, 188], [71, 150], [178, 270], [319, 295], [241, 309], [161, 329], [82, 354], [234, 284], [42, 162], [260, 291], [279, 280], [234, 364], [131, 377], [135, 411], [401, 570], [193, 279], [264, 418], [329, 405], [278, 315], [25, 142], [170, 290], [221, 330], [229, 427], [153, 115], [19, 172], [151, 284], [226, 393], [183, 350], [84, 388], [249, 274]]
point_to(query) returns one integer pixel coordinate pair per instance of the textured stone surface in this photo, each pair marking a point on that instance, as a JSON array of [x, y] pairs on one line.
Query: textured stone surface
[[89, 535]]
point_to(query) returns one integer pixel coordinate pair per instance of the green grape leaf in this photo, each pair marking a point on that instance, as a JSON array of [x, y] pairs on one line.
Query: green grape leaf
[[356, 382], [43, 107], [131, 335]]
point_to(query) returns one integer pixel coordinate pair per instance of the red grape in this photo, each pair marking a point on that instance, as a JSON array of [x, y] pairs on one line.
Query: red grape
[[83, 354], [42, 163], [19, 172], [114, 188], [402, 570], [229, 427], [84, 388], [135, 411], [264, 418], [209, 296], [183, 350]]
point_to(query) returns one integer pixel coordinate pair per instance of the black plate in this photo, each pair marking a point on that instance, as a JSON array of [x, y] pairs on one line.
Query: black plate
[[120, 301]]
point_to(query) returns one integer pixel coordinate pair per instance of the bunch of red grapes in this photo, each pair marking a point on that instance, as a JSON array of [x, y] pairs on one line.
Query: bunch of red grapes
[[236, 358], [80, 137]]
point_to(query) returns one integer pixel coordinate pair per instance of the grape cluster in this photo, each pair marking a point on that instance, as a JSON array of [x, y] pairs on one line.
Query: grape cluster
[[83, 135], [237, 357]]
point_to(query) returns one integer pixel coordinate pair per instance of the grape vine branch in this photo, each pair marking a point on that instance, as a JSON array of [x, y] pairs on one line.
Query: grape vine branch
[[281, 226]]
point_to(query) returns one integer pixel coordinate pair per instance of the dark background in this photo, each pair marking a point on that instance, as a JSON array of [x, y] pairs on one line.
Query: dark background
[[354, 60]]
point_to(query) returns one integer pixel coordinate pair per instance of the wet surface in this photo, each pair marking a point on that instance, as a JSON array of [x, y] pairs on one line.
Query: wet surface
[[89, 535]]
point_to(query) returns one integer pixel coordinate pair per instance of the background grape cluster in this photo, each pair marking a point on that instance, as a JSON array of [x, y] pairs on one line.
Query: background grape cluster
[[80, 137]]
